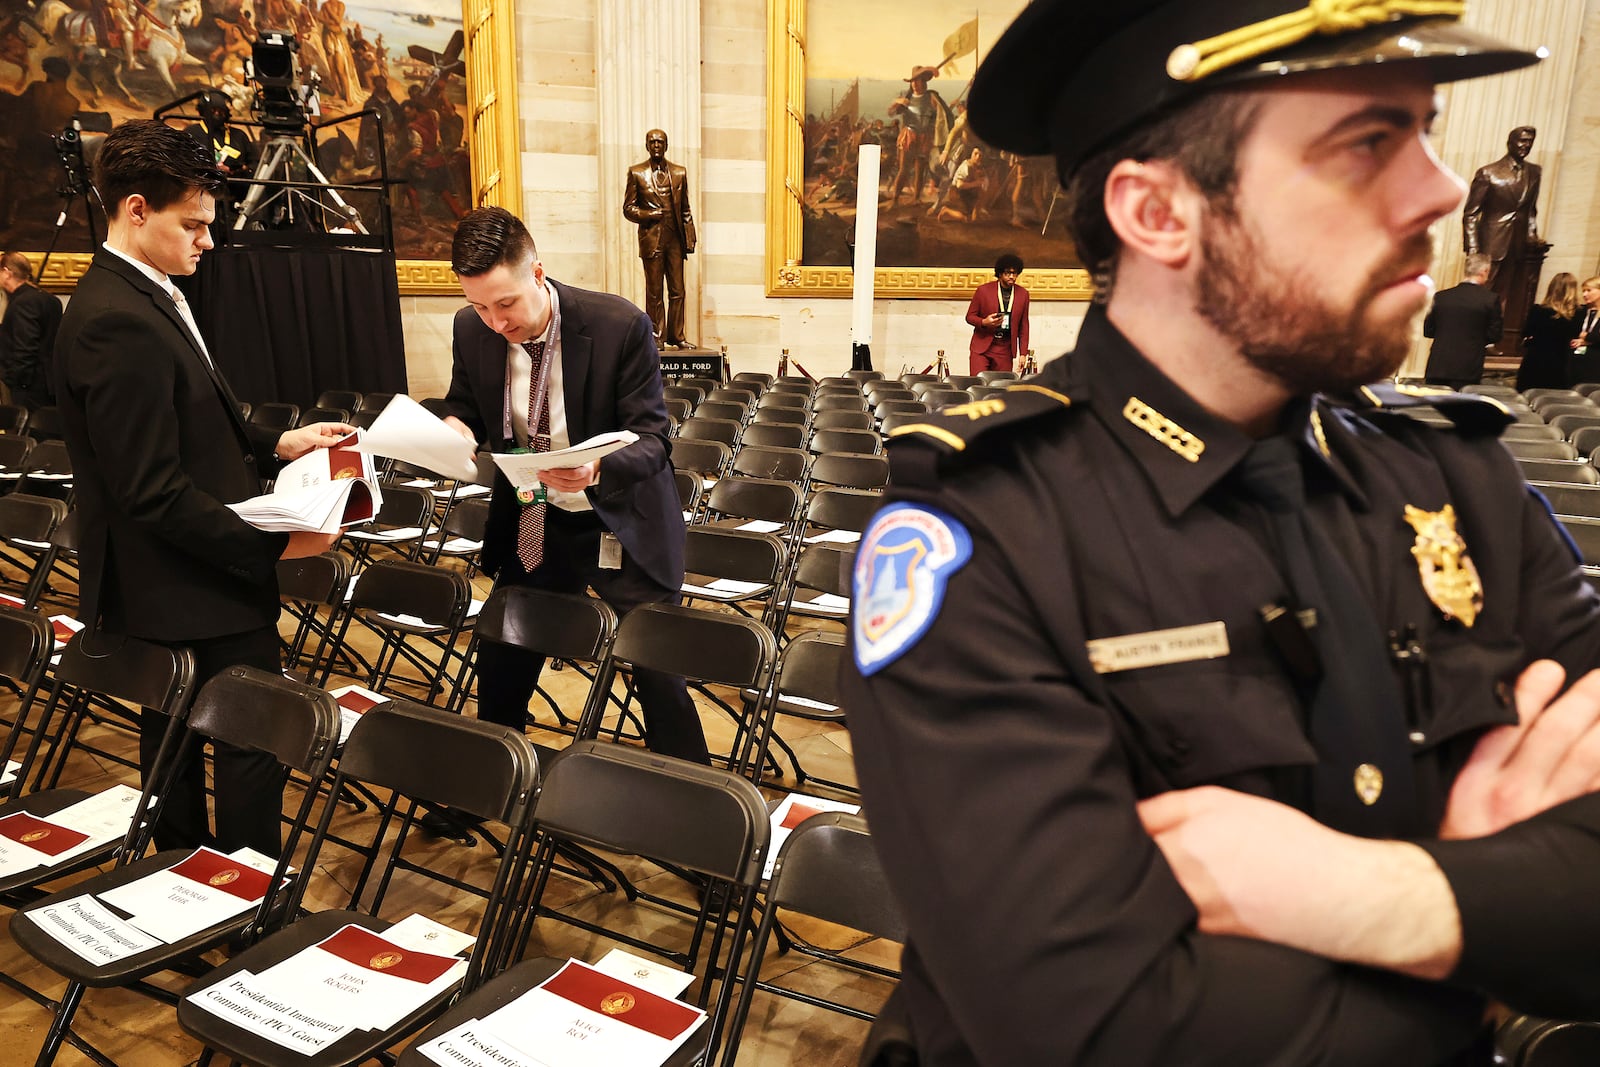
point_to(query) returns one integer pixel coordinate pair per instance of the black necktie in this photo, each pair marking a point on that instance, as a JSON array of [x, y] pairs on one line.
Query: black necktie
[[1363, 782]]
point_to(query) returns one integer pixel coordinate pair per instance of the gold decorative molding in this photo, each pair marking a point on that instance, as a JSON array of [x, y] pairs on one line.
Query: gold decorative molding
[[786, 271], [427, 277]]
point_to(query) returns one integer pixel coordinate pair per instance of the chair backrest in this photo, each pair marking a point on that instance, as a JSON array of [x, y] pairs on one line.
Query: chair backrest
[[695, 428], [30, 518], [348, 399], [839, 402], [809, 666], [1541, 449], [46, 424], [298, 725], [988, 376], [693, 394], [320, 579], [703, 384], [826, 568], [755, 498], [703, 646], [1558, 470], [963, 381], [938, 398], [842, 420], [678, 407], [896, 419], [1522, 431], [1569, 424], [742, 555], [275, 416], [878, 392], [1567, 499], [374, 401], [984, 392], [779, 416], [14, 452], [776, 397], [404, 506], [1530, 1041], [755, 378], [783, 463], [436, 595], [778, 435], [49, 457], [27, 641], [742, 395], [851, 470], [865, 442], [1585, 533], [311, 416], [842, 509], [721, 409], [709, 458], [913, 379], [864, 375], [1585, 438], [900, 407], [1549, 410], [691, 487]]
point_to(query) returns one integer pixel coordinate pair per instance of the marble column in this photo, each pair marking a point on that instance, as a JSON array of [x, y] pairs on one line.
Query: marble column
[[648, 77], [1477, 114]]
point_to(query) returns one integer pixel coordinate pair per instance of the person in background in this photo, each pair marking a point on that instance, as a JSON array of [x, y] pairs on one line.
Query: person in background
[[998, 315], [1464, 321], [27, 334], [1547, 336]]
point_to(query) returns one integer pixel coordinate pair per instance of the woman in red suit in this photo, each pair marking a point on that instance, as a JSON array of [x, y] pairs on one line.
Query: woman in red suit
[[998, 315]]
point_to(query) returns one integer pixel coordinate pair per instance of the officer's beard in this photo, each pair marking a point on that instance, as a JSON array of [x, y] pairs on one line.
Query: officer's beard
[[1282, 324]]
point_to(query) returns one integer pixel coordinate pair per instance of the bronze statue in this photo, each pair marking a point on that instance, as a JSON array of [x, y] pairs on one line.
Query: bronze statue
[[1501, 216], [657, 199]]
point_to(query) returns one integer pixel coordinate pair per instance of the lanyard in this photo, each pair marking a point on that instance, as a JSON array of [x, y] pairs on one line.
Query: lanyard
[[541, 387], [1006, 298]]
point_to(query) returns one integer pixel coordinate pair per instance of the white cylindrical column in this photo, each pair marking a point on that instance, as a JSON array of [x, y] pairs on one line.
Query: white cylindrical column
[[866, 244], [647, 75]]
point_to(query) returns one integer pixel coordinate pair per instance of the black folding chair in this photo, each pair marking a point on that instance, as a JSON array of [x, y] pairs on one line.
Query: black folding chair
[[621, 799], [275, 416], [27, 523], [706, 458], [312, 416], [777, 462], [423, 755], [400, 601], [250, 709], [829, 870], [346, 399], [308, 587]]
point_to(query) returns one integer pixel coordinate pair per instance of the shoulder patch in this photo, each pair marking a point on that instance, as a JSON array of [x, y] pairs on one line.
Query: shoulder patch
[[902, 565], [1469, 412], [952, 429]]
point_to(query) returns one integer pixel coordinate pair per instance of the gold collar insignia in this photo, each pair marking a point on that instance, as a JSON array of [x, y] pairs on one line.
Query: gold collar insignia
[[1448, 575], [1163, 429]]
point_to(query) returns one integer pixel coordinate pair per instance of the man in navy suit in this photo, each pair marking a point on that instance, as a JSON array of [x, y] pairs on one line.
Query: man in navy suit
[[158, 452], [1463, 322], [541, 365]]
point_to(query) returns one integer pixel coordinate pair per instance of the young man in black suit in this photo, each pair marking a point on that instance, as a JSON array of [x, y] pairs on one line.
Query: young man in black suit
[[27, 333], [1463, 322], [158, 452], [583, 363]]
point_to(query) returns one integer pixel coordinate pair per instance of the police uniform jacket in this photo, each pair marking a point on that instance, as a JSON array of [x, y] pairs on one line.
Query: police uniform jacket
[[1001, 775]]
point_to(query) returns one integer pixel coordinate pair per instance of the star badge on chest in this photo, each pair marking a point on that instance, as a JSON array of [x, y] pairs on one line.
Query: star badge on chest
[[1448, 574]]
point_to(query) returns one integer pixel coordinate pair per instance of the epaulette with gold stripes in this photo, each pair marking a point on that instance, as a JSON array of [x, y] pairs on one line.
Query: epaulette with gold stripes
[[919, 449], [953, 429], [1469, 412]]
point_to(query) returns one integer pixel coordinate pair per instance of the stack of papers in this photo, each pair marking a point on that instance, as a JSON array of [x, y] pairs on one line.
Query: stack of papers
[[522, 468], [322, 491], [795, 809], [354, 979], [200, 891], [353, 701], [411, 433], [29, 841], [582, 1016]]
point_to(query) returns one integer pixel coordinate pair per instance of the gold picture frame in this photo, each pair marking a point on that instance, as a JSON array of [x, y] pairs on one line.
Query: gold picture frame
[[490, 33], [787, 274]]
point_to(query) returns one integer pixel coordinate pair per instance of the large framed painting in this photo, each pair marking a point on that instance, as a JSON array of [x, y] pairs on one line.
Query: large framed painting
[[897, 74], [434, 68]]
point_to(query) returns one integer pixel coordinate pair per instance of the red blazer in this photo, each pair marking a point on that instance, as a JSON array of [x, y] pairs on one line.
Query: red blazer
[[986, 301]]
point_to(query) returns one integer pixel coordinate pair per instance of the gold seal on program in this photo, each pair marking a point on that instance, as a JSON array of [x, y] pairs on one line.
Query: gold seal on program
[[227, 877], [617, 1004], [384, 960], [34, 835]]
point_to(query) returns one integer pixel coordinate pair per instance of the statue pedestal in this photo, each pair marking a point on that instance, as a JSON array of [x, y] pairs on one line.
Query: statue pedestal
[[694, 363]]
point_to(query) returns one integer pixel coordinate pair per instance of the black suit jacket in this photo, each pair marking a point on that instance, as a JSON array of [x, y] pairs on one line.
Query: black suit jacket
[[158, 448], [27, 338], [1463, 320], [611, 380]]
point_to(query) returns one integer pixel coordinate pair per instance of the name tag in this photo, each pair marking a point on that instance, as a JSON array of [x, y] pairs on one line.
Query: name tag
[[1182, 644]]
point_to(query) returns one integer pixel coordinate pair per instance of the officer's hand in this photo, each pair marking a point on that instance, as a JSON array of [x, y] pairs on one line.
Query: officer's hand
[[460, 427], [1260, 869], [571, 479], [1551, 756], [304, 544], [295, 443]]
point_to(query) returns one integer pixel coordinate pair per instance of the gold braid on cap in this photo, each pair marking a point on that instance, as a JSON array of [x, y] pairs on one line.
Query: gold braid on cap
[[1191, 62]]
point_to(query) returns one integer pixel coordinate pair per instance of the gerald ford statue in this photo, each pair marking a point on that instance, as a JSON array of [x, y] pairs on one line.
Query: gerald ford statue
[[657, 200]]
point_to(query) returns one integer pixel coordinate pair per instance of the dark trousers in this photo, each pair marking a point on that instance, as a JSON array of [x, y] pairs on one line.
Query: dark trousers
[[666, 266], [507, 677], [249, 785]]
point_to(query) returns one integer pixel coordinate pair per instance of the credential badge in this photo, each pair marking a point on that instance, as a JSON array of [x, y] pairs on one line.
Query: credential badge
[[1448, 575]]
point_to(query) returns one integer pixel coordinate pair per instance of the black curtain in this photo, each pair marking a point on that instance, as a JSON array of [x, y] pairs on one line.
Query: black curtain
[[284, 324]]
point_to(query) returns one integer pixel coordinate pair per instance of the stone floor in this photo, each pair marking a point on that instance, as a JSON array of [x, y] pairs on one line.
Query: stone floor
[[136, 1031]]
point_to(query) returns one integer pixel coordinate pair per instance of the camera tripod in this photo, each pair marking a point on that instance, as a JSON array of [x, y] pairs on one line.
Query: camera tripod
[[69, 150], [274, 183]]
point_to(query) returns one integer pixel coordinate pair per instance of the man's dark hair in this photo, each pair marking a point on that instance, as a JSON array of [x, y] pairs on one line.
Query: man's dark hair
[[1202, 138], [488, 237], [150, 158], [1007, 261]]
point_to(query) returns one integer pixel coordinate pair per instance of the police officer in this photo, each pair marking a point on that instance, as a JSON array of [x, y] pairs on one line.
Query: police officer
[[1266, 754]]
